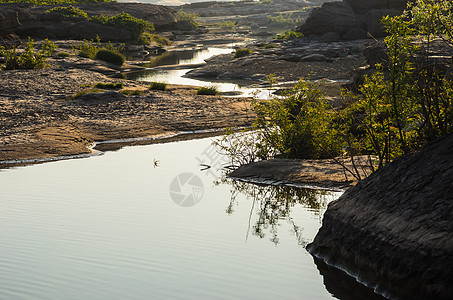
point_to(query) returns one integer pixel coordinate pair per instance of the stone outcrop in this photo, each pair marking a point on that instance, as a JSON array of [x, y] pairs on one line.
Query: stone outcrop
[[351, 19], [394, 230], [34, 21], [8, 23]]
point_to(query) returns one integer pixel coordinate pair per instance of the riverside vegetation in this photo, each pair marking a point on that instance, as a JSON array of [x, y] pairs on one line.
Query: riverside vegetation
[[405, 104]]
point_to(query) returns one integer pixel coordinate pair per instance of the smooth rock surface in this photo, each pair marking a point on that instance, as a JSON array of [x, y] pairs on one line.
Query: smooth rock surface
[[394, 230]]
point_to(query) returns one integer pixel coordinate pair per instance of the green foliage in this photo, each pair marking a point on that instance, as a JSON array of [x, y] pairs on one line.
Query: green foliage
[[69, 11], [89, 48], [269, 46], [240, 52], [289, 35], [432, 18], [146, 38], [208, 90], [110, 85], [55, 2], [189, 17], [28, 59], [132, 92], [110, 56], [48, 48], [284, 19], [124, 20], [298, 124], [226, 25], [160, 86], [403, 105]]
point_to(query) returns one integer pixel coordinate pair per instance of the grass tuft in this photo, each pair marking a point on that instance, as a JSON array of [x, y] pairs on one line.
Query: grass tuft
[[158, 86], [208, 90]]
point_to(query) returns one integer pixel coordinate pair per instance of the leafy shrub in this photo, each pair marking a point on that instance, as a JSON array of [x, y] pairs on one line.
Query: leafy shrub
[[284, 19], [29, 59], [297, 125], [208, 90], [160, 86], [289, 35], [189, 17], [240, 52], [48, 48], [124, 20], [109, 85], [68, 11], [110, 56], [226, 25], [132, 92], [269, 46], [146, 38]]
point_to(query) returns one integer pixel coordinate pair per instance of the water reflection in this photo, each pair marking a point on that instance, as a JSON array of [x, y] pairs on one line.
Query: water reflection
[[274, 205], [343, 286]]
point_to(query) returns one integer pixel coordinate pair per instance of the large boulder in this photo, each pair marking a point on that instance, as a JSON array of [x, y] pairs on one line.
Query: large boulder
[[336, 17], [351, 19], [91, 30], [373, 20], [394, 230]]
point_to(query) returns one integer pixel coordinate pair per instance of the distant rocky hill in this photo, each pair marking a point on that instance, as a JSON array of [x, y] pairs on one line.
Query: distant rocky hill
[[394, 230], [32, 20]]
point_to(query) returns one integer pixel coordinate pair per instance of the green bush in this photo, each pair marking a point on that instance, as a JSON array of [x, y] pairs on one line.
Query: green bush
[[297, 125], [68, 11], [189, 17], [110, 85], [289, 35], [269, 46], [48, 48], [28, 59], [208, 90], [124, 20], [132, 92], [240, 52], [146, 38], [161, 86], [110, 56], [226, 25]]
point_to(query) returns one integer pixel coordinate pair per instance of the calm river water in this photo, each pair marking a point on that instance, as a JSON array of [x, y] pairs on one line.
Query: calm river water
[[120, 226]]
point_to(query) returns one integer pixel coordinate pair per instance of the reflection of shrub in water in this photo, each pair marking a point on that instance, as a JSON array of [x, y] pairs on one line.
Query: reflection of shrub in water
[[275, 203]]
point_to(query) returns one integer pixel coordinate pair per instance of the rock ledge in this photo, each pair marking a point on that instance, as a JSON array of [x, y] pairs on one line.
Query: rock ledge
[[394, 230]]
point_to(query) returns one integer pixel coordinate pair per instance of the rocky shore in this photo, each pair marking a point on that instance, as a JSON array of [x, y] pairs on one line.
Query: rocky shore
[[393, 230], [40, 118]]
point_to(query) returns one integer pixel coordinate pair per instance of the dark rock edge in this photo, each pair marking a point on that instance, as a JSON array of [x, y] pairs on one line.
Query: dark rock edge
[[394, 230]]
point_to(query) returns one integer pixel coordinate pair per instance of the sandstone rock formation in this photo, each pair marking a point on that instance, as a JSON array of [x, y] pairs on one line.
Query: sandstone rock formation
[[351, 19], [34, 21], [394, 230]]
